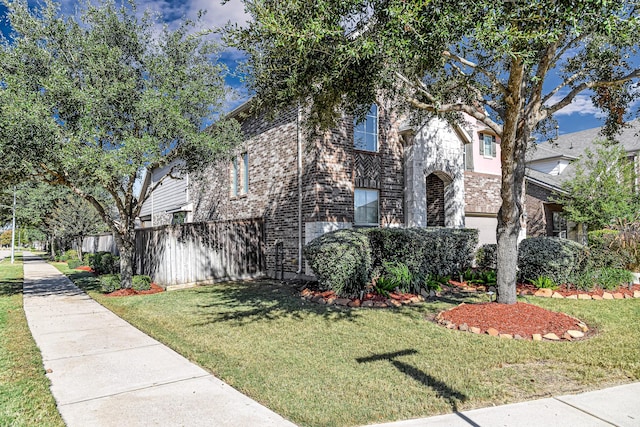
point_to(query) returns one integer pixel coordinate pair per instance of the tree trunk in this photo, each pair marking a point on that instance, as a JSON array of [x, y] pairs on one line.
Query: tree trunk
[[126, 245], [512, 155]]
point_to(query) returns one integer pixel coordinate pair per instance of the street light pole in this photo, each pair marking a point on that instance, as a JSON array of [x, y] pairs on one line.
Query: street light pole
[[13, 227]]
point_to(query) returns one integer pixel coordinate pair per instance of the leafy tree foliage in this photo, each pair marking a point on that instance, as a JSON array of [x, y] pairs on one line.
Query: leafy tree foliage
[[72, 219], [91, 100], [602, 190], [488, 59]]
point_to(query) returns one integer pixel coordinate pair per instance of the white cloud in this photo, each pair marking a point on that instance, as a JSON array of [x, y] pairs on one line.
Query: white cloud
[[581, 105]]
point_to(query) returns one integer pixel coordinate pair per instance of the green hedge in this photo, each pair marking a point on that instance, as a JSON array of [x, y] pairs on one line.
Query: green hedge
[[110, 283], [141, 283], [562, 260], [103, 262], [345, 260], [487, 256], [448, 251], [341, 261], [74, 263]]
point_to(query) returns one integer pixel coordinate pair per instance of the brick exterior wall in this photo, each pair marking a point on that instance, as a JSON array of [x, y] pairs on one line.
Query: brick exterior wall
[[539, 209], [482, 193], [435, 201], [332, 169]]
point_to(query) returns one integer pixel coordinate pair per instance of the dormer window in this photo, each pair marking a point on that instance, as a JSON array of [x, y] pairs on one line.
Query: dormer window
[[365, 133]]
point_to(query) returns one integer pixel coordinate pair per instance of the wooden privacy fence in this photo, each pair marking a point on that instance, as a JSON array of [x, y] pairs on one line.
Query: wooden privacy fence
[[200, 252], [99, 243]]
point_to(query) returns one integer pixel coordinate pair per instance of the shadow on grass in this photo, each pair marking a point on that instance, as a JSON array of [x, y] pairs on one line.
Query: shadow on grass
[[442, 389], [10, 285], [263, 300]]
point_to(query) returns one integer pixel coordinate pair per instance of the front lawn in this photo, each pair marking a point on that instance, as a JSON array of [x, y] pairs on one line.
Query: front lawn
[[25, 399], [327, 366]]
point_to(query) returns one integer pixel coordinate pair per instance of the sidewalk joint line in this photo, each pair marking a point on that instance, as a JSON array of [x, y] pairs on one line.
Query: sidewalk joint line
[[103, 352], [138, 389], [585, 412]]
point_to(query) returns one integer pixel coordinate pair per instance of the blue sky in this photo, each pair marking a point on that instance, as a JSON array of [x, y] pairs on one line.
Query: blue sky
[[580, 115]]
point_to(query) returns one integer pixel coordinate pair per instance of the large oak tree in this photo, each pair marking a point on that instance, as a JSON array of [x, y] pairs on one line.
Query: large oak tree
[[492, 60], [90, 101]]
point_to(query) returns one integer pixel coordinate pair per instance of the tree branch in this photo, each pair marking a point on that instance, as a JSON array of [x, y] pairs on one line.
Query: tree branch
[[492, 78], [590, 85], [459, 107]]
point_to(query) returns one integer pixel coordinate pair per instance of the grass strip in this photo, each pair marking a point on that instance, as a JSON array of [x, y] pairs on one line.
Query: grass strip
[[25, 399], [329, 366]]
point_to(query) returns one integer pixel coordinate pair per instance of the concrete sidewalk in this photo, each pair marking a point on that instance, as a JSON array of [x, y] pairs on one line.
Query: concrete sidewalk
[[616, 406], [105, 372]]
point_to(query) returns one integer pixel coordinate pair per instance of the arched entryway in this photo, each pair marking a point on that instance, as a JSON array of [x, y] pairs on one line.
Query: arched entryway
[[436, 200]]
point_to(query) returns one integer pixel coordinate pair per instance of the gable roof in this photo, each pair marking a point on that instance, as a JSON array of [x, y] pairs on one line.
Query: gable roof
[[570, 147]]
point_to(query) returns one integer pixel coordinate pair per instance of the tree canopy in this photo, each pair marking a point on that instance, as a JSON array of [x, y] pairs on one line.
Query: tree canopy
[[90, 101], [493, 60]]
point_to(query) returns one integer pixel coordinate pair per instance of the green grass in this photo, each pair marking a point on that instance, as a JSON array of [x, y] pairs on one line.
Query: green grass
[[327, 366], [25, 399]]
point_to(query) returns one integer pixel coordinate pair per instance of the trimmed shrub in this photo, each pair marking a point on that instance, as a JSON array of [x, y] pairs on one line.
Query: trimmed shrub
[[141, 283], [603, 252], [110, 283], [341, 260], [438, 251], [447, 251], [487, 256], [396, 245], [561, 260], [74, 263], [103, 262]]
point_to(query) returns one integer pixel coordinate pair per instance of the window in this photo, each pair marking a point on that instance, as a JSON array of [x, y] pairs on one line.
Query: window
[[366, 207], [365, 133], [179, 217], [245, 175], [240, 175], [234, 177], [487, 145], [559, 224]]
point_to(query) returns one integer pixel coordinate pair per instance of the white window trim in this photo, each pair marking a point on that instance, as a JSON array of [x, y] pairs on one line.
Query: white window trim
[[367, 224], [377, 134]]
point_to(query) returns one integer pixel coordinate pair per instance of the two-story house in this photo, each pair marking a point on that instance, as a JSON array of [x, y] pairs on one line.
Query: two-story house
[[377, 173]]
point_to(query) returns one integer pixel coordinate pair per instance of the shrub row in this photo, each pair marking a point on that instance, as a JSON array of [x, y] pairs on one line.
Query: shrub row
[[561, 260], [111, 282], [346, 260]]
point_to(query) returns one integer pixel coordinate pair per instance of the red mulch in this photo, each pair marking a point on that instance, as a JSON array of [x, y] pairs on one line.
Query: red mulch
[[515, 319], [84, 268], [128, 292]]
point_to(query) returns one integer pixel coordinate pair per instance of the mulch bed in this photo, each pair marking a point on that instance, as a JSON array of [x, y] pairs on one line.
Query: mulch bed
[[529, 289], [521, 319], [129, 292]]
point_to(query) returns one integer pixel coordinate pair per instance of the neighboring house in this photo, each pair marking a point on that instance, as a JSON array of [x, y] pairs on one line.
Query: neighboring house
[[379, 173], [549, 165]]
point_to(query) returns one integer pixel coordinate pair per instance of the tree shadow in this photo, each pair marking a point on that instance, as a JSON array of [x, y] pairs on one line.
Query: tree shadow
[[242, 302], [452, 396]]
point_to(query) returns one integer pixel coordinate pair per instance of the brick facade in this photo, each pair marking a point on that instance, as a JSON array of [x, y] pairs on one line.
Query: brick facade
[[332, 169], [482, 193], [539, 209]]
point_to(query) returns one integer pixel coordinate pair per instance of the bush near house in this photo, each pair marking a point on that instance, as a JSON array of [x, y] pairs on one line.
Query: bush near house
[[486, 256], [346, 260], [111, 282], [561, 260], [341, 261], [103, 262]]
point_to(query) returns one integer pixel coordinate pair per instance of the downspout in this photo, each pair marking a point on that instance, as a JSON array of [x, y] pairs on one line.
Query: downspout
[[299, 141]]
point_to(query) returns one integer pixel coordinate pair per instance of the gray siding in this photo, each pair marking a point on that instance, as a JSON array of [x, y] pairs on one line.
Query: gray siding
[[169, 196]]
